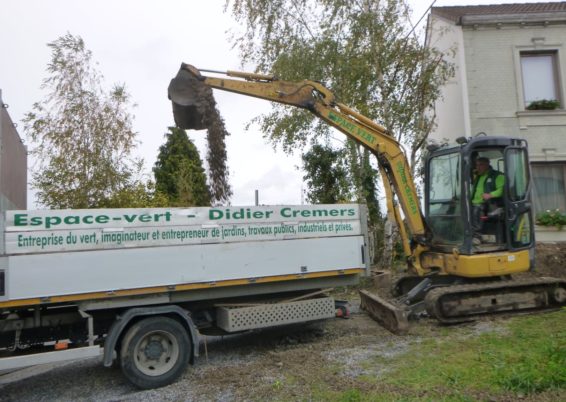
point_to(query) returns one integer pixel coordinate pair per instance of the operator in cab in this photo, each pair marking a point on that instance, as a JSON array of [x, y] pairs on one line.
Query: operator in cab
[[487, 192]]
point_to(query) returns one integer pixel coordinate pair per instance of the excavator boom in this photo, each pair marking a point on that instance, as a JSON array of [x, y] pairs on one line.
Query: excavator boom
[[189, 112]]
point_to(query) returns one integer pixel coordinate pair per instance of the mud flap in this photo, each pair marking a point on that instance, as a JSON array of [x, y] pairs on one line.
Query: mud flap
[[391, 317]]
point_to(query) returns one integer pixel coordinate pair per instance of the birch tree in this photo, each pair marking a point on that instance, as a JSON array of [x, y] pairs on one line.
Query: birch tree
[[81, 135]]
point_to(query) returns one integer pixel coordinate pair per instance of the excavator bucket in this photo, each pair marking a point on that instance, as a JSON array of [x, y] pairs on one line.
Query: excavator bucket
[[191, 99], [391, 317]]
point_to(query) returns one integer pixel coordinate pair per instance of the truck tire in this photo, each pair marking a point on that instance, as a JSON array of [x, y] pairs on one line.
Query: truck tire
[[155, 352]]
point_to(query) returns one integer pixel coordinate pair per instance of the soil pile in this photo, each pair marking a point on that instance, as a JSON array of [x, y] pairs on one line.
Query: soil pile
[[550, 259], [194, 108]]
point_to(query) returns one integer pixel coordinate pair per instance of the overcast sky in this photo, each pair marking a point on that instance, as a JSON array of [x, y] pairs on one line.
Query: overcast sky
[[142, 43]]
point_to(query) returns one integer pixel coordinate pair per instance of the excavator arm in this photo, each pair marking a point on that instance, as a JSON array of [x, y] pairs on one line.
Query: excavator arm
[[319, 100]]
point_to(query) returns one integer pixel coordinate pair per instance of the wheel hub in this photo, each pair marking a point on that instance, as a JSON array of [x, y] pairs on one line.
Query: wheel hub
[[153, 350]]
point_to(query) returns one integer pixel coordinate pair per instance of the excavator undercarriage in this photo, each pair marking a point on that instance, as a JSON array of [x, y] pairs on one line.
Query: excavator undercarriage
[[456, 303]]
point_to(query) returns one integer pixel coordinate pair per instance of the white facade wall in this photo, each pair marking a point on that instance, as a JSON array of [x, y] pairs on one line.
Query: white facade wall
[[495, 86], [452, 112], [486, 93]]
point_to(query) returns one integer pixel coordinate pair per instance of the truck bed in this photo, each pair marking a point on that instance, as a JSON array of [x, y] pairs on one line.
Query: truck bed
[[77, 255]]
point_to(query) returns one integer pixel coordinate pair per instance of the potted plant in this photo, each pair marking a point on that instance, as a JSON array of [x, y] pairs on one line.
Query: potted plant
[[544, 104], [553, 218]]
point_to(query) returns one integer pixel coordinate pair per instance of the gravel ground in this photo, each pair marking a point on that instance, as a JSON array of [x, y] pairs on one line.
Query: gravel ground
[[238, 367], [286, 363], [339, 353]]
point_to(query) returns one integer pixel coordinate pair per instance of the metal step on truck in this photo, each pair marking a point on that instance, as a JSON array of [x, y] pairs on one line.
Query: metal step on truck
[[140, 286]]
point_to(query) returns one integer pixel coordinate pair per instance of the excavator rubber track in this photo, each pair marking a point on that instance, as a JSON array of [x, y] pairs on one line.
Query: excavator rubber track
[[461, 303], [391, 317]]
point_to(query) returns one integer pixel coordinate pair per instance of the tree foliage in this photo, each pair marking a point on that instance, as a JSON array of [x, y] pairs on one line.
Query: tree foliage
[[140, 194], [326, 176], [362, 49], [179, 173], [82, 135]]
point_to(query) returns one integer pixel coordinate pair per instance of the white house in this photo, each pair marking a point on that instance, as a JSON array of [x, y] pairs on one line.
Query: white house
[[510, 79]]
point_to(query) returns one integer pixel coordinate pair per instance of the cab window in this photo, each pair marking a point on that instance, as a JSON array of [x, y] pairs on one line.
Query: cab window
[[444, 206]]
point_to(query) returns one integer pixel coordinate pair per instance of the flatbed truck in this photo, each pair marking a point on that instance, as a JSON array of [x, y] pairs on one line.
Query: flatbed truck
[[139, 287]]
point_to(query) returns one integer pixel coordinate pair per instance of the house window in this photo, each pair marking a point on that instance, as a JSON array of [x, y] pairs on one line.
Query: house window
[[540, 80], [549, 186]]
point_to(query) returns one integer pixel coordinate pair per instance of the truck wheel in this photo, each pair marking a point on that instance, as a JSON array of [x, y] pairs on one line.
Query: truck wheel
[[155, 352]]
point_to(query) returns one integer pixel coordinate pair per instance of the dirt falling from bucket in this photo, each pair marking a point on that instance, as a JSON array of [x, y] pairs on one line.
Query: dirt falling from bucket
[[194, 107], [219, 186]]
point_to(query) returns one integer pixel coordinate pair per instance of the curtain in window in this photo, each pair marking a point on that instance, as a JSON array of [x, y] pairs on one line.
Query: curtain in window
[[539, 81], [549, 189]]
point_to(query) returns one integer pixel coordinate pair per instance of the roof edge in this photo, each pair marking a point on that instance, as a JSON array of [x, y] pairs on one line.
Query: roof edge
[[554, 17]]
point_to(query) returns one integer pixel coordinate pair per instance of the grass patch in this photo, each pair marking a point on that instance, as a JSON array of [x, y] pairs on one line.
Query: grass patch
[[519, 358], [357, 395], [530, 357]]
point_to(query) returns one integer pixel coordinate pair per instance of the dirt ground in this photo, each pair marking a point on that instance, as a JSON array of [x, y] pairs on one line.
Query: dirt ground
[[300, 363], [290, 363], [253, 366], [551, 259]]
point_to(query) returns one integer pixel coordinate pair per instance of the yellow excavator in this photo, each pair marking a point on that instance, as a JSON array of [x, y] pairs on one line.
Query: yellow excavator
[[453, 275]]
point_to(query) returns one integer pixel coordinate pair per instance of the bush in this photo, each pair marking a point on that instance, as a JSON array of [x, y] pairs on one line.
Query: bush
[[551, 218]]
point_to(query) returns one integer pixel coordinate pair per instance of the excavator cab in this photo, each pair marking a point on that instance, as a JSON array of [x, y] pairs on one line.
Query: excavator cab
[[503, 223]]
